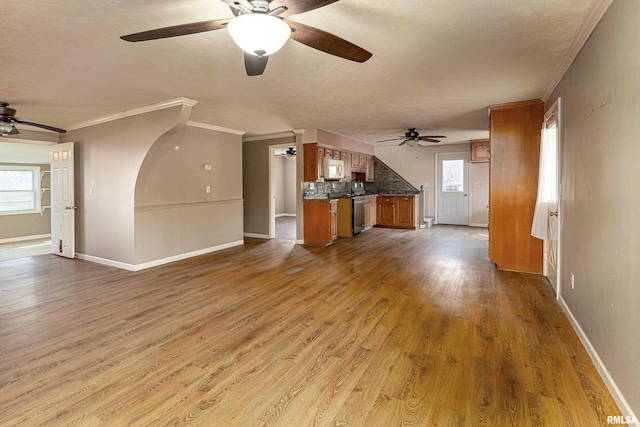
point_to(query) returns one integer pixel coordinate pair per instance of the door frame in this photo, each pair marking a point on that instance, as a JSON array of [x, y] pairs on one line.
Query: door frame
[[272, 179], [556, 110], [435, 186]]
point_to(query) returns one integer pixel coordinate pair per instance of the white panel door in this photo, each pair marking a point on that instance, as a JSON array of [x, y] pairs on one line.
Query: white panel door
[[453, 188], [63, 209], [551, 241]]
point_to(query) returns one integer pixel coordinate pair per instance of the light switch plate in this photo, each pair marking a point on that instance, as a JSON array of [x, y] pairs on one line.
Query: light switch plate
[[208, 167]]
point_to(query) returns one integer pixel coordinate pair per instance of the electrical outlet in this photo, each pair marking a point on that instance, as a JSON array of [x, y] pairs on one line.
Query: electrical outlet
[[573, 281], [208, 167], [208, 189]]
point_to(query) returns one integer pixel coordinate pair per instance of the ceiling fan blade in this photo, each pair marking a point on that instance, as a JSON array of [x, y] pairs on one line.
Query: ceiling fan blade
[[177, 30], [402, 143], [424, 138], [327, 42], [36, 124], [295, 7], [14, 131], [394, 139], [433, 136], [255, 65]]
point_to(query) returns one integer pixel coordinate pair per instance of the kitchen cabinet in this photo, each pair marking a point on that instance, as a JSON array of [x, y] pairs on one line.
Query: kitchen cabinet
[[313, 165], [346, 158], [480, 150], [513, 185], [333, 211], [370, 214], [320, 222], [313, 162], [345, 217], [369, 173], [358, 162], [396, 212], [386, 211]]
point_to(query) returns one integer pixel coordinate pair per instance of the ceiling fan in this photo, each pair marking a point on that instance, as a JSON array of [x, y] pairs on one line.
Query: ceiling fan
[[259, 28], [8, 122], [290, 154], [412, 137]]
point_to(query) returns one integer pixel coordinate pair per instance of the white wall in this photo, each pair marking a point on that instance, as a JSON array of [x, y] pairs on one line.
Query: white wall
[[417, 165], [600, 210], [278, 184], [479, 191]]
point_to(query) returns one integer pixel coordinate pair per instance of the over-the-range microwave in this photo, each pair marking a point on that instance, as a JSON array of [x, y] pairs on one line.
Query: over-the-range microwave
[[333, 169]]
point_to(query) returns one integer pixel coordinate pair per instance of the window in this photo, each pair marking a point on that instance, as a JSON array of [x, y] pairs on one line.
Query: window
[[452, 176], [19, 189]]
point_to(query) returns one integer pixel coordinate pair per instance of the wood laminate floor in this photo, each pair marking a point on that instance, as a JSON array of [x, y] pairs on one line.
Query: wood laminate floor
[[390, 328]]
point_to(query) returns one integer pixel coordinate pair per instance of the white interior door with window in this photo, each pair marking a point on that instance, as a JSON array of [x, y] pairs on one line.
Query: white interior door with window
[[63, 209], [452, 188]]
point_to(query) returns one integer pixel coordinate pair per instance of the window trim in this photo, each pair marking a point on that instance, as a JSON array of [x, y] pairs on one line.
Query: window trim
[[36, 188]]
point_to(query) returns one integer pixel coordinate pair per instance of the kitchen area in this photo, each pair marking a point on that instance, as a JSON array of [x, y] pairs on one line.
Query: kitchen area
[[343, 198]]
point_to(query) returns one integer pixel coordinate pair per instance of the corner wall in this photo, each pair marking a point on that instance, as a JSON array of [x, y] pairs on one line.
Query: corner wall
[[108, 157], [175, 216], [600, 208]]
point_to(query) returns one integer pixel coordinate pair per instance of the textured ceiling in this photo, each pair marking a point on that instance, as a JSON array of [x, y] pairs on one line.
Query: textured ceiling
[[436, 65]]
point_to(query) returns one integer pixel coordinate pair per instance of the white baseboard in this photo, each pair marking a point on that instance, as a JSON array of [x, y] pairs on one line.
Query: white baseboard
[[479, 224], [617, 395], [300, 242], [257, 236], [286, 214], [158, 262], [105, 261], [23, 238]]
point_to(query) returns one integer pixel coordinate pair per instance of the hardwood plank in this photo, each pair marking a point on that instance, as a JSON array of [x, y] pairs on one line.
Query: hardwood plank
[[390, 327]]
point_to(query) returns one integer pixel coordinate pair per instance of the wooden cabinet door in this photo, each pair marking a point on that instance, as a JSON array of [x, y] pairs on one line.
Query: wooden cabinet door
[[311, 162], [346, 158], [320, 160], [336, 154], [372, 210], [405, 212], [333, 210], [355, 162], [386, 211], [369, 173], [317, 223], [367, 213]]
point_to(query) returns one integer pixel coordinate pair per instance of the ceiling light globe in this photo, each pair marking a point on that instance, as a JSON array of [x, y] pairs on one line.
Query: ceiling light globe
[[5, 127], [259, 34]]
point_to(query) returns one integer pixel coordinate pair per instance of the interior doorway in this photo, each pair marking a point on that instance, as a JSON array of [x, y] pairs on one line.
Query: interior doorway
[[452, 192], [283, 210]]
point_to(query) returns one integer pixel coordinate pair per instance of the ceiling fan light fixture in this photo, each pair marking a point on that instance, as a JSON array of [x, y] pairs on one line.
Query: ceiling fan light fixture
[[259, 34], [5, 128]]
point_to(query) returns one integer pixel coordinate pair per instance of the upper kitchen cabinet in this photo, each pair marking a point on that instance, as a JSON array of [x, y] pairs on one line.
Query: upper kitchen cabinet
[[313, 162], [369, 174], [515, 151]]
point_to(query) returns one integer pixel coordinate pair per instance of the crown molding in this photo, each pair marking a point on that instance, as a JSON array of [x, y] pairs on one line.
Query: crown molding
[[27, 141], [270, 136], [136, 111], [216, 128], [597, 12]]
